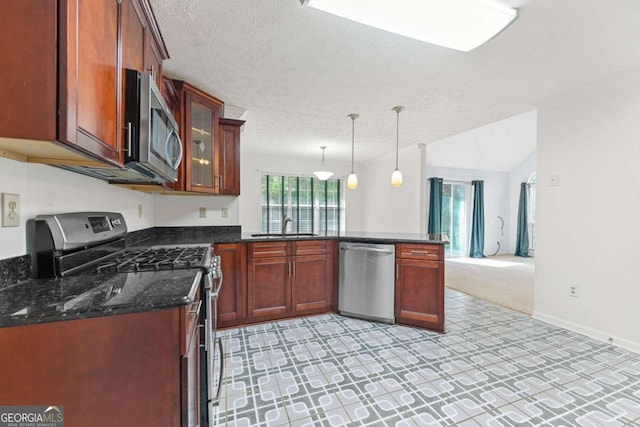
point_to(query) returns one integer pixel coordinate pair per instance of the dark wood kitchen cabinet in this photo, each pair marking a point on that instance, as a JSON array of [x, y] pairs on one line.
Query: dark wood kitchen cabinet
[[232, 300], [268, 281], [229, 156], [199, 131], [137, 369], [287, 279], [311, 276], [142, 47], [63, 73], [420, 285]]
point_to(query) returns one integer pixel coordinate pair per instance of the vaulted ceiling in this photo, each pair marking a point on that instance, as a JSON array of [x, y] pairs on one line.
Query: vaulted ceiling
[[299, 72]]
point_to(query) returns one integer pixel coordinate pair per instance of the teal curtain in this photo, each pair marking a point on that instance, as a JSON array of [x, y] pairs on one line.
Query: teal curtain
[[435, 206], [522, 237], [477, 224]]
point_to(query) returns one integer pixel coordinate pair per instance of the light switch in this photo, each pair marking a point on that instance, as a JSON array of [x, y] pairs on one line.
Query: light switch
[[553, 180], [10, 210]]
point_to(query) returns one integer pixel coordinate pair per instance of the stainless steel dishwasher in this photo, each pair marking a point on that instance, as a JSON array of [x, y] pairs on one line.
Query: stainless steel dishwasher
[[367, 281]]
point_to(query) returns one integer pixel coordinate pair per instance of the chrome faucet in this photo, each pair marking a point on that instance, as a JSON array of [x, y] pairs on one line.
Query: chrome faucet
[[285, 221]]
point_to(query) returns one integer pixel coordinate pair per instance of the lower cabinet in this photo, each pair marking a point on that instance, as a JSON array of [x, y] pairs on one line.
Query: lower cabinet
[[420, 285], [286, 279], [232, 301], [269, 288], [137, 369]]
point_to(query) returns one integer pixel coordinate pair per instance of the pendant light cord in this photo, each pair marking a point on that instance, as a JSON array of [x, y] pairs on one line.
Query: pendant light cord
[[353, 144], [397, 134]]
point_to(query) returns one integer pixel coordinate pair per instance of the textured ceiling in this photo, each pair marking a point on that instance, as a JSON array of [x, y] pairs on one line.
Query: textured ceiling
[[299, 72]]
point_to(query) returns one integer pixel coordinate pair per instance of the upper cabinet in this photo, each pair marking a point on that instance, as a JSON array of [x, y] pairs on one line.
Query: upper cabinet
[[63, 70], [211, 144], [229, 156]]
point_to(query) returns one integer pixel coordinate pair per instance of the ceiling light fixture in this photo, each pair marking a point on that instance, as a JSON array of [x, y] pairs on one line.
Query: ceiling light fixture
[[457, 24], [323, 174], [396, 176], [352, 180]]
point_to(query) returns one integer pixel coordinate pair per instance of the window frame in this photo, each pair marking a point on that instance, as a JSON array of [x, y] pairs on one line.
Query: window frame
[[325, 203]]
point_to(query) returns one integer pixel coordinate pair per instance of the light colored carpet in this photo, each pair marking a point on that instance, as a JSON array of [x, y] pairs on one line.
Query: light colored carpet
[[503, 279]]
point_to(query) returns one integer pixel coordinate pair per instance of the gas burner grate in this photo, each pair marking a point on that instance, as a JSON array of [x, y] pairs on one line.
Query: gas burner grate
[[154, 259]]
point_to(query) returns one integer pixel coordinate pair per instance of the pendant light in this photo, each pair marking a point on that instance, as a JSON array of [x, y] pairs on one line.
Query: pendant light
[[352, 180], [323, 174], [396, 176]]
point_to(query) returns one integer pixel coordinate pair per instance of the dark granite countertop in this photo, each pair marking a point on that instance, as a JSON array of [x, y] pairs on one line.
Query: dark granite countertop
[[83, 296], [209, 235]]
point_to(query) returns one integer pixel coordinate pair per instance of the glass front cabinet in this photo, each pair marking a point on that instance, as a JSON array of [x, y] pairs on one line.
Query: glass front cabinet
[[200, 136]]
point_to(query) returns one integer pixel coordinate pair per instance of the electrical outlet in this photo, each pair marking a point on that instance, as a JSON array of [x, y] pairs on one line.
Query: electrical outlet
[[203, 212], [573, 291], [225, 212], [10, 210], [139, 211]]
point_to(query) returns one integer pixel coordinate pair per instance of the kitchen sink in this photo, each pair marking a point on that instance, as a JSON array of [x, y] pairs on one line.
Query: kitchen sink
[[285, 235]]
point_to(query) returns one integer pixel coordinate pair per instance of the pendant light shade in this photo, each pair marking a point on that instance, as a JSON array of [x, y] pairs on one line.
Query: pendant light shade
[[352, 180], [396, 176], [323, 174]]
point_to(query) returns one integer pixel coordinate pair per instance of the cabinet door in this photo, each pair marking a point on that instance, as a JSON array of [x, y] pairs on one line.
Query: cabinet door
[[232, 299], [310, 286], [420, 293], [90, 71], [200, 162], [269, 288], [229, 157], [190, 365]]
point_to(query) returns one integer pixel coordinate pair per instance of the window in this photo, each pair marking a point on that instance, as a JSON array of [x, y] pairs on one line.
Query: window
[[314, 206], [531, 208], [455, 217]]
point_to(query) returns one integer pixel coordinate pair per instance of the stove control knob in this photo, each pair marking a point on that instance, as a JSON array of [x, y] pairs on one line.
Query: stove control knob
[[116, 222]]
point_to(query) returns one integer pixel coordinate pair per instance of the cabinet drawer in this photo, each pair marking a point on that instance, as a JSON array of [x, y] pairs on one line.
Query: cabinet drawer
[[418, 251], [310, 247], [267, 249]]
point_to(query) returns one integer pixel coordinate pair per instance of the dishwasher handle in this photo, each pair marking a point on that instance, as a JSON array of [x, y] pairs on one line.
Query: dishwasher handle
[[367, 249]]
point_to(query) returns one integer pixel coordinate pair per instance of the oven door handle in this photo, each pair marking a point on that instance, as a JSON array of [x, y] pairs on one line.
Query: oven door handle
[[216, 292], [219, 342]]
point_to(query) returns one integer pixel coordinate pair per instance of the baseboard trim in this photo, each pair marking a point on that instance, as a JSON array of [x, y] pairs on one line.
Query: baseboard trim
[[590, 332]]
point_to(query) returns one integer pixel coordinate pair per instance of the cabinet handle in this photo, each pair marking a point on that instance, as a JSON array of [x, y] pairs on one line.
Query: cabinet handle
[[289, 267], [294, 267], [219, 181], [197, 310], [129, 129], [424, 253], [397, 271]]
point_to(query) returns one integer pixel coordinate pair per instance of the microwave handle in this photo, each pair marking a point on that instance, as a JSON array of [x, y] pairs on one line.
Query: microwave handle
[[177, 141]]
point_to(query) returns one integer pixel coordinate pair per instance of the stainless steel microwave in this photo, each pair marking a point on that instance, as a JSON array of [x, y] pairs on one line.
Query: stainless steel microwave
[[152, 147], [152, 143]]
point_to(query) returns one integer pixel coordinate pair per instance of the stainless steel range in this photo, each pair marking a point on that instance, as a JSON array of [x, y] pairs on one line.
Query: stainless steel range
[[93, 243]]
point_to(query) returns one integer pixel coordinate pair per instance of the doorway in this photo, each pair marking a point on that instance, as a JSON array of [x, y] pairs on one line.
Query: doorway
[[455, 217]]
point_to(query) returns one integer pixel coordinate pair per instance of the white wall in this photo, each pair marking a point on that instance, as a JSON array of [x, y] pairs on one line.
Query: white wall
[[588, 225], [496, 201], [388, 209], [518, 175], [45, 189], [184, 211], [253, 166]]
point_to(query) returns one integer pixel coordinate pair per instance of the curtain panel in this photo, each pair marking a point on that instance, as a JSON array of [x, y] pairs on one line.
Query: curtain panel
[[435, 206], [476, 249], [522, 235]]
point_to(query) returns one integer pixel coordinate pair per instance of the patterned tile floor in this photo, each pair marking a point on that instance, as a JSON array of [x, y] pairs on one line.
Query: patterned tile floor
[[493, 367]]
